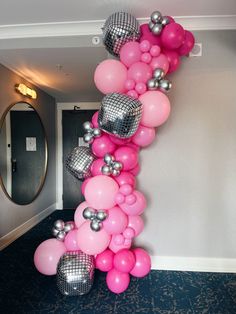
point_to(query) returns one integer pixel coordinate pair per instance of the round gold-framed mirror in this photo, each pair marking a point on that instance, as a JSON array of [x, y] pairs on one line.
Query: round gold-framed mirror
[[23, 153]]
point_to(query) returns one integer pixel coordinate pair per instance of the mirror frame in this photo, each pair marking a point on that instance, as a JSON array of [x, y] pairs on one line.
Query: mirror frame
[[46, 154]]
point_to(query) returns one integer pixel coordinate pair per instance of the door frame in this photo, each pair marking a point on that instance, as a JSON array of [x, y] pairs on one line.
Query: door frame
[[59, 155]]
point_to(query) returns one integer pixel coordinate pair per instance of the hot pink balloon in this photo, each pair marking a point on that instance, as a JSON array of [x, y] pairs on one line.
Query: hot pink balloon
[[144, 136], [130, 53], [92, 242], [103, 145], [135, 171], [187, 45], [100, 192], [47, 256], [136, 208], [156, 108], [136, 223], [83, 185], [117, 243], [78, 216], [104, 260], [124, 260], [128, 156], [117, 281], [172, 36], [96, 167], [126, 178], [119, 141], [71, 241], [155, 51], [174, 60], [160, 62], [140, 72], [110, 76], [95, 120], [134, 146], [116, 221], [143, 263], [146, 34]]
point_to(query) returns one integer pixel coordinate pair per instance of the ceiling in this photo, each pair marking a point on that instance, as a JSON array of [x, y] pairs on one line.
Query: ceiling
[[64, 66]]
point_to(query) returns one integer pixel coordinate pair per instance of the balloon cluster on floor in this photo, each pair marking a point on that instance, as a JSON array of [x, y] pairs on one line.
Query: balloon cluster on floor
[[135, 103]]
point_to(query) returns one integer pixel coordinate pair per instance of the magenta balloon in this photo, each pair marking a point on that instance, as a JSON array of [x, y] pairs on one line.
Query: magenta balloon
[[110, 76], [160, 62], [117, 281], [171, 19], [83, 185], [130, 53], [172, 36], [96, 167], [116, 221], [135, 171], [174, 60], [146, 34], [136, 223], [95, 120], [103, 145], [126, 178], [71, 241], [143, 263], [100, 192], [119, 141], [104, 260], [124, 261], [140, 72], [136, 208], [187, 45], [116, 246], [134, 146], [128, 156], [78, 216], [47, 256], [144, 136], [92, 242], [156, 108]]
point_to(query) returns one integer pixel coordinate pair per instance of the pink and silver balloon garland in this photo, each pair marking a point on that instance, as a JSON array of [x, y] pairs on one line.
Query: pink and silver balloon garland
[[134, 105]]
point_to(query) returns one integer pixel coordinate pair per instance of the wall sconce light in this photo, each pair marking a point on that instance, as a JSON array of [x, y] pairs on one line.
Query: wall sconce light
[[26, 91]]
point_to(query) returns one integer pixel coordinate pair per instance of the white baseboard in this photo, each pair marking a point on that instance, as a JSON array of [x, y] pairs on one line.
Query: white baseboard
[[198, 264], [19, 231]]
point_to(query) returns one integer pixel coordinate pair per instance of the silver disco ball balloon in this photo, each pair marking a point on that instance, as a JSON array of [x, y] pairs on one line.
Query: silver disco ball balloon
[[79, 161], [119, 115], [119, 28], [75, 273]]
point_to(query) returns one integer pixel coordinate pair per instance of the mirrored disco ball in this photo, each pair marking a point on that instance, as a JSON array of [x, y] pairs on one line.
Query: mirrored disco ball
[[118, 29], [75, 273], [119, 115], [79, 161]]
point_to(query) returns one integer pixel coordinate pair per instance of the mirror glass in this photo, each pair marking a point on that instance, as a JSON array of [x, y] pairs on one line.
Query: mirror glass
[[23, 153]]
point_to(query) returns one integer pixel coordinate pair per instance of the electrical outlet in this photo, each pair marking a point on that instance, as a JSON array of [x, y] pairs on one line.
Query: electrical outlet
[[196, 51], [96, 40]]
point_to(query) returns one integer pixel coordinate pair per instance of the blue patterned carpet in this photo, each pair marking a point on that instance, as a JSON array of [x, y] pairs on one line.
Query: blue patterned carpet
[[24, 290]]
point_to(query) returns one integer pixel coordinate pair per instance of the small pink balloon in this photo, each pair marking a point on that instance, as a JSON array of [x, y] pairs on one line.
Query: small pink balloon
[[96, 167], [119, 141], [134, 146], [141, 88], [126, 178], [145, 45], [110, 76], [92, 242], [83, 185], [173, 59], [130, 199], [129, 233], [104, 260], [78, 216], [129, 84], [126, 189], [136, 223], [187, 45], [136, 208], [116, 244], [95, 120], [135, 171], [103, 145], [146, 34], [156, 108], [47, 256], [71, 241], [144, 136], [160, 62], [143, 263], [172, 36], [117, 281], [140, 72], [124, 260], [116, 221], [133, 94], [130, 53], [119, 239], [119, 198], [155, 51], [127, 156], [146, 57]]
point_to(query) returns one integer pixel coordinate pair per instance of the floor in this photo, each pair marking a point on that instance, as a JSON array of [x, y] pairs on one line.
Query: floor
[[24, 290]]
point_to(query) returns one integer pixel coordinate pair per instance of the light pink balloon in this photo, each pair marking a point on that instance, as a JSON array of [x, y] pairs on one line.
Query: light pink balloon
[[103, 145], [144, 136], [78, 216], [95, 120], [141, 88], [146, 57], [173, 59], [104, 260], [47, 256], [128, 156], [187, 45], [126, 178], [143, 263], [100, 192], [130, 53], [160, 62], [92, 242], [140, 72], [83, 185], [116, 245], [156, 108], [132, 93], [136, 208], [96, 167], [117, 281], [71, 241], [129, 84], [172, 36], [110, 76], [124, 260], [119, 141], [116, 221], [136, 223], [135, 171]]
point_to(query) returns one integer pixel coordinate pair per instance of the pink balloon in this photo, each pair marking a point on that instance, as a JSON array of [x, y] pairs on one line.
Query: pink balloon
[[143, 263], [71, 241], [136, 208], [117, 281], [140, 72], [103, 145], [83, 185], [135, 171], [124, 261], [133, 94], [130, 53], [155, 51], [116, 221], [156, 108], [145, 45], [126, 178], [96, 167], [110, 76], [146, 57], [118, 242], [92, 242], [47, 256], [129, 233], [128, 156], [187, 45], [160, 62], [136, 223], [144, 136], [104, 260], [172, 36], [129, 84], [119, 141], [100, 192], [174, 60], [171, 19], [78, 216], [95, 120], [134, 146], [140, 88], [146, 34]]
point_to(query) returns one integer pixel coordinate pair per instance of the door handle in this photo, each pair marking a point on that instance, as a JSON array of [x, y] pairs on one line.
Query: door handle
[[13, 165]]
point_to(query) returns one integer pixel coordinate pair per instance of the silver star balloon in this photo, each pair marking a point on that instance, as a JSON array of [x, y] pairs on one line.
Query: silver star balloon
[[96, 218], [157, 22], [91, 132], [111, 167], [158, 81], [61, 228]]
